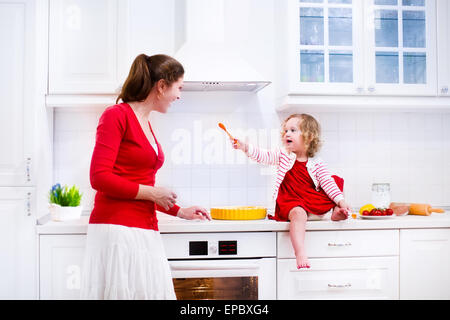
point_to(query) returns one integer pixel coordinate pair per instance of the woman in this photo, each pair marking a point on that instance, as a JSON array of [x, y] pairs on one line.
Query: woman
[[124, 257]]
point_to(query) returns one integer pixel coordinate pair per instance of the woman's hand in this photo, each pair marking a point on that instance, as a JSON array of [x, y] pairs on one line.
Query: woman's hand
[[194, 212], [238, 144], [163, 197]]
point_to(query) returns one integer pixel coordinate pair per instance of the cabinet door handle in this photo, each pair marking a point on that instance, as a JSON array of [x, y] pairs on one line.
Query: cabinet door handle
[[29, 204], [347, 244], [347, 285], [444, 90], [371, 89], [28, 169]]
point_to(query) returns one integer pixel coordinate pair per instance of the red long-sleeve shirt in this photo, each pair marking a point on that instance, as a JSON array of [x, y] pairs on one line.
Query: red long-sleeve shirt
[[122, 159]]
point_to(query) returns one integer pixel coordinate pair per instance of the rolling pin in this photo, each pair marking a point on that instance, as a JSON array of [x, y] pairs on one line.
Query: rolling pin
[[423, 209]]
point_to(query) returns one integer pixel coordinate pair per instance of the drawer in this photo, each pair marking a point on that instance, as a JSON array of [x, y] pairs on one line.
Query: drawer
[[338, 278], [425, 264], [342, 243]]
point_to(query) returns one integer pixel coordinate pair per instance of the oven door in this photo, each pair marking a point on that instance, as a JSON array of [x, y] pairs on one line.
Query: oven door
[[231, 279]]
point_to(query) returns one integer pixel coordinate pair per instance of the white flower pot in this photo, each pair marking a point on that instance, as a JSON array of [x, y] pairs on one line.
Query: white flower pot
[[59, 213]]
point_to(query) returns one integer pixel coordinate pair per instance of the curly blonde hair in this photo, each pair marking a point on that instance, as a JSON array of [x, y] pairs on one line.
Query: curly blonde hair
[[310, 131]]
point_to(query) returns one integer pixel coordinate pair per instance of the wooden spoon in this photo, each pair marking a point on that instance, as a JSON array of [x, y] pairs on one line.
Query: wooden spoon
[[222, 126]]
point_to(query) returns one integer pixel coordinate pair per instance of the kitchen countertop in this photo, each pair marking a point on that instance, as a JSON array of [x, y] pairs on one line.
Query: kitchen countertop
[[170, 224]]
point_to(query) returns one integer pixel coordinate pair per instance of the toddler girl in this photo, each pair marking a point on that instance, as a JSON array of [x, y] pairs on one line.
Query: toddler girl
[[304, 188]]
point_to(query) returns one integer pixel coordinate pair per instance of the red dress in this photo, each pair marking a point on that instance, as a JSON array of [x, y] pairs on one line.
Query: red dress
[[298, 190], [122, 159]]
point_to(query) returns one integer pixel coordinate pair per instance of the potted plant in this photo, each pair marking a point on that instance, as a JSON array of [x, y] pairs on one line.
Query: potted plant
[[65, 203]]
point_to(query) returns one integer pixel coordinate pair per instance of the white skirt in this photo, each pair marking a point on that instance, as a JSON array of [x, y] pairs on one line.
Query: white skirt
[[125, 263]]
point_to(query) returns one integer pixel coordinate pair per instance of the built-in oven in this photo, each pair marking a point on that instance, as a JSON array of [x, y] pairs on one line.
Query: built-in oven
[[230, 266]]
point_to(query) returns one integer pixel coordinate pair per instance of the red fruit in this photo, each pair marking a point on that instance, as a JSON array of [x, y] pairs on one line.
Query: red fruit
[[366, 213], [389, 212], [372, 212], [383, 212], [378, 212]]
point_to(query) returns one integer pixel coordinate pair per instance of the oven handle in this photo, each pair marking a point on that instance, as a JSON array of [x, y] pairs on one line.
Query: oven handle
[[215, 267]]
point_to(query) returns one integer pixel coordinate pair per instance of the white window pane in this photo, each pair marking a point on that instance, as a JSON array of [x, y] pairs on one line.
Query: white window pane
[[311, 66], [414, 29], [341, 66], [312, 1], [386, 28], [387, 67], [340, 1], [340, 26], [414, 67], [417, 3], [311, 26], [386, 2]]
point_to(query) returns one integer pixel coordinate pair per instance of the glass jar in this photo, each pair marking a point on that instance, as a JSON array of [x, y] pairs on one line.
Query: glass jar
[[381, 195]]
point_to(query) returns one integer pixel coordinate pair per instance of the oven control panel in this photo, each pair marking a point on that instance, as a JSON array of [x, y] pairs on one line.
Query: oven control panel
[[227, 247], [203, 248], [219, 245]]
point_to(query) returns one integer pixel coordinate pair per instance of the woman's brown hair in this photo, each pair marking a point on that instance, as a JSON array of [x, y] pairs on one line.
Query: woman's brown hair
[[145, 72], [310, 130]]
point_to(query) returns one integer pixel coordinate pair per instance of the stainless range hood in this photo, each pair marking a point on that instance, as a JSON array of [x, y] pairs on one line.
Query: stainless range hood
[[252, 86], [210, 64]]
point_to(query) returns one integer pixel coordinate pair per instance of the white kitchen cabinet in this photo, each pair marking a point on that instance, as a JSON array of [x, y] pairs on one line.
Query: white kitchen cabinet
[[17, 243], [343, 243], [16, 90], [339, 278], [400, 44], [17, 196], [324, 47], [61, 258], [345, 264], [425, 264], [348, 47], [87, 46], [443, 42]]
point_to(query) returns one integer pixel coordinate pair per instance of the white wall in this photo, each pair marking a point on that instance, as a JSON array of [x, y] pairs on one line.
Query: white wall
[[409, 150]]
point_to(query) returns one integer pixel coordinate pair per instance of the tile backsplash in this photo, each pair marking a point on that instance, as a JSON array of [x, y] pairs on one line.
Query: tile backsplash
[[411, 151]]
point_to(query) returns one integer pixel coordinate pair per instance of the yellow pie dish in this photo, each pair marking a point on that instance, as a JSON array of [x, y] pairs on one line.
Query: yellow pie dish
[[238, 213]]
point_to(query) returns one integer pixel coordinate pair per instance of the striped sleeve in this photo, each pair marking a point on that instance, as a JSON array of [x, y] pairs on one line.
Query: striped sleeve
[[264, 156], [327, 183]]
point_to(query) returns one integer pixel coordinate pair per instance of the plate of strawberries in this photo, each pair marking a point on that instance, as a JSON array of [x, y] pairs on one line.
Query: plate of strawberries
[[377, 213]]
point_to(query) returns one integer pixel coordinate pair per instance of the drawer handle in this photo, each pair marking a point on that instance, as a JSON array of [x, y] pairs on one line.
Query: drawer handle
[[347, 244], [348, 285]]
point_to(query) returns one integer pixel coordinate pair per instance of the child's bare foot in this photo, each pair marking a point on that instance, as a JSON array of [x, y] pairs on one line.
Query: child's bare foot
[[302, 262], [339, 214]]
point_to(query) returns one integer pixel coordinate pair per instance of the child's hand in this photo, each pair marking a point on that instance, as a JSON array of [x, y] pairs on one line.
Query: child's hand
[[345, 205], [239, 145]]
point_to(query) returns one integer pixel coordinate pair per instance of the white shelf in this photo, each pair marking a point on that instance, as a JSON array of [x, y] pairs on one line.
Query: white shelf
[[80, 100], [310, 103]]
